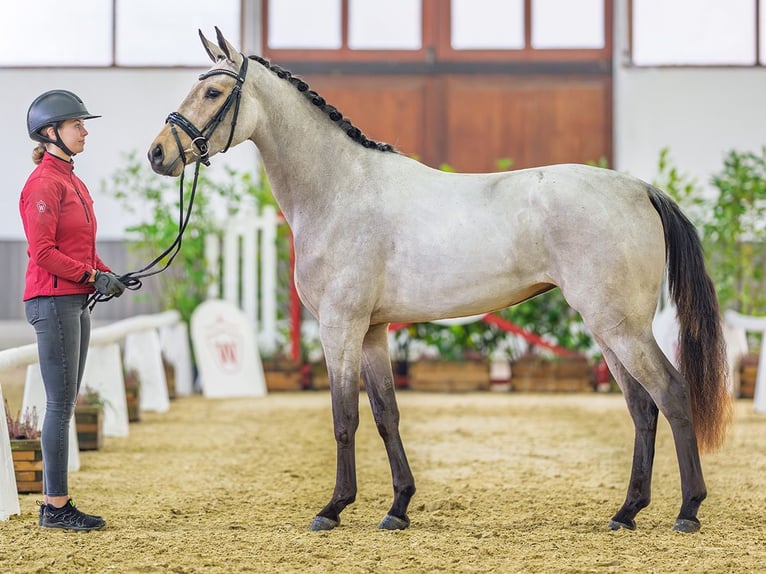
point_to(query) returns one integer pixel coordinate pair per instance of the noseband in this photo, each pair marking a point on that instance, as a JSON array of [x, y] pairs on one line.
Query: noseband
[[200, 138]]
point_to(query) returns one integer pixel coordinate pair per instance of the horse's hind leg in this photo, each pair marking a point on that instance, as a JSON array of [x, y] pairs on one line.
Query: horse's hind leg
[[646, 363], [644, 413], [378, 381]]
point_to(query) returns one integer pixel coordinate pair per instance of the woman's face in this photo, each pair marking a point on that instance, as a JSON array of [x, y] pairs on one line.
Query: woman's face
[[72, 133]]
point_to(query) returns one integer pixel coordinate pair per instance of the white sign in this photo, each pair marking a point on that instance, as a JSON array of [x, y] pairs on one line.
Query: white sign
[[227, 355]]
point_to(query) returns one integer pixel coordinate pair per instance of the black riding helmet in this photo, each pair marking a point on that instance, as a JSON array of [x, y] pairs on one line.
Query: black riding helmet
[[51, 108]]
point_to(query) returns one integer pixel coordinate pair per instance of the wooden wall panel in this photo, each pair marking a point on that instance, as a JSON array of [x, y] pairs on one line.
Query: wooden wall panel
[[472, 121], [532, 121], [388, 109]]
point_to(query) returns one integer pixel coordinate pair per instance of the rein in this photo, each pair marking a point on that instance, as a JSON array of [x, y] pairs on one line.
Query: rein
[[199, 148]]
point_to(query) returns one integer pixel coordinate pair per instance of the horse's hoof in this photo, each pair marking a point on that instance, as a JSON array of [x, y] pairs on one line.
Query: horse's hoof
[[394, 523], [614, 525], [323, 523], [690, 526]]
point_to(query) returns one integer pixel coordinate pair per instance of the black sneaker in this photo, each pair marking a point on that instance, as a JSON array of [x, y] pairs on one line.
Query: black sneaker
[[69, 518]]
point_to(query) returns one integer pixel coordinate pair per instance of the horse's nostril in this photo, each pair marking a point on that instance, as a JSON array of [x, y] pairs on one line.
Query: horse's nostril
[[156, 155]]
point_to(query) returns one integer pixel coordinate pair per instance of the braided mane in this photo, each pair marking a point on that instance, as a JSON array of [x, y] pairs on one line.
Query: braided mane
[[332, 112]]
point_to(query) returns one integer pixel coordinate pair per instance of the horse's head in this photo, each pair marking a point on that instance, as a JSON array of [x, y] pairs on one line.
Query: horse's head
[[209, 119]]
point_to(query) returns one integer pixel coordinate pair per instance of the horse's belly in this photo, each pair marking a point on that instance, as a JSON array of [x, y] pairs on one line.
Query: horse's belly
[[456, 289]]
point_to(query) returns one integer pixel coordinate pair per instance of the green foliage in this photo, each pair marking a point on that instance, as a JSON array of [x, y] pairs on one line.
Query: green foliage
[[550, 316], [156, 203], [735, 236], [731, 223]]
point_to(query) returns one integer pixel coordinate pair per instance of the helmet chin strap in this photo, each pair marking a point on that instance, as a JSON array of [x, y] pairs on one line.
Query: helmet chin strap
[[60, 143]]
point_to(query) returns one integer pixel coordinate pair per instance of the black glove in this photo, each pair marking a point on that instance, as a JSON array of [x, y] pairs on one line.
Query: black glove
[[108, 284]]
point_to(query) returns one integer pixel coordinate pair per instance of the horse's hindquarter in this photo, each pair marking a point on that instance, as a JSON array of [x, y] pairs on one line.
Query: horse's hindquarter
[[462, 244]]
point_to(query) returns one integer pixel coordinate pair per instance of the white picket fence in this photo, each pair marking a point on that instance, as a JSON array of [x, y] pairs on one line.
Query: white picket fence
[[146, 340], [243, 256]]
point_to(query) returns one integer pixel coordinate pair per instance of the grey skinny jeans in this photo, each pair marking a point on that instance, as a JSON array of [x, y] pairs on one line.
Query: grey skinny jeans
[[62, 327]]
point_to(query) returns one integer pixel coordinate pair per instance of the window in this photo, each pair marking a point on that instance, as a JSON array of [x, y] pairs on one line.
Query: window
[[80, 32], [487, 25], [444, 30], [697, 33]]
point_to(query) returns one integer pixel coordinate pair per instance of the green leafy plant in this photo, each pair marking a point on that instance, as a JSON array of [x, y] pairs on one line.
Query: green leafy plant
[[90, 397], [23, 428], [730, 220]]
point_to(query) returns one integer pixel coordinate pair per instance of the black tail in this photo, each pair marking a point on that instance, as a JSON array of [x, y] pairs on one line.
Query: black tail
[[702, 350]]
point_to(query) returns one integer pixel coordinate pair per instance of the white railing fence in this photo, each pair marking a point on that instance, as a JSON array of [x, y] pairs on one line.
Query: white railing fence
[[243, 257]]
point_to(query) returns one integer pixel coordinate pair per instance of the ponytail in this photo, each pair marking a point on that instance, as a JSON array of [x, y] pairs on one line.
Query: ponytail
[[37, 153]]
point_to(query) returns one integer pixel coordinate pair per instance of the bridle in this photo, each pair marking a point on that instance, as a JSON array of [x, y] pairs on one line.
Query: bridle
[[200, 138], [200, 148]]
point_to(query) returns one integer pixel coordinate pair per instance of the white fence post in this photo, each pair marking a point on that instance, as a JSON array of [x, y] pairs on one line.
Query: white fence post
[[103, 374], [144, 355], [9, 497], [757, 324]]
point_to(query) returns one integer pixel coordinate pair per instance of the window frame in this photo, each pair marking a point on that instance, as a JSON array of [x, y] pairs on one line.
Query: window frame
[[759, 62], [436, 45]]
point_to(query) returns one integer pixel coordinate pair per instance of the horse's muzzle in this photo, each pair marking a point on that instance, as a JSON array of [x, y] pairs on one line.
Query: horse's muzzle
[[156, 156]]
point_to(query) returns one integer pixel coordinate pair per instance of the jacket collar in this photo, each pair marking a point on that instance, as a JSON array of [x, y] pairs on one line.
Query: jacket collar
[[55, 162]]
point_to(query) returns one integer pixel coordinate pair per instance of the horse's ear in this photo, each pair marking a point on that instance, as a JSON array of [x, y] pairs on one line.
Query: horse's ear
[[212, 50], [227, 48]]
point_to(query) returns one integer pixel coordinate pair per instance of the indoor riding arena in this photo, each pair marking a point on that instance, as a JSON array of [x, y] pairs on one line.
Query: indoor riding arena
[[506, 482]]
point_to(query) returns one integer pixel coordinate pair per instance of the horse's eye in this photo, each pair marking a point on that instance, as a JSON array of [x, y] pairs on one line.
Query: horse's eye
[[212, 93]]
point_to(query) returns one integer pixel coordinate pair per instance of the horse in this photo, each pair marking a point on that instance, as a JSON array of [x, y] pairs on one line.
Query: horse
[[381, 238]]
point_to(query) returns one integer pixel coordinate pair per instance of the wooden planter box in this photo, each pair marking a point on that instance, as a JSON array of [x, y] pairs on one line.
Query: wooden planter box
[[532, 374], [748, 371], [27, 465], [284, 375], [170, 378], [131, 398], [89, 420], [449, 376]]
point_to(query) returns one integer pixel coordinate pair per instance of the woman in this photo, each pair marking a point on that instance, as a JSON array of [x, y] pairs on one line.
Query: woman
[[63, 269]]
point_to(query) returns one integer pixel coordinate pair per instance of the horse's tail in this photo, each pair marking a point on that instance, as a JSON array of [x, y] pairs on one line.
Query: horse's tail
[[702, 350]]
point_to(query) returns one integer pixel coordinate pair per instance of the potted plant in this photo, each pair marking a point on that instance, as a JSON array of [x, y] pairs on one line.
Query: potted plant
[[89, 419], [26, 450]]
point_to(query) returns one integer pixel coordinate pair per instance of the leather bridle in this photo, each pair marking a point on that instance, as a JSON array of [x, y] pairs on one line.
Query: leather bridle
[[200, 138]]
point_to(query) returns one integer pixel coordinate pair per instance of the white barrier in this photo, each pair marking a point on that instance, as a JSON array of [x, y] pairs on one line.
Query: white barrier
[[103, 375], [758, 324], [34, 398], [144, 355], [9, 499], [174, 340], [241, 244]]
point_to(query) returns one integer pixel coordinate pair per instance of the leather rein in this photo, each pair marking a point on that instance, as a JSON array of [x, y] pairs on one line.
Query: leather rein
[[200, 148]]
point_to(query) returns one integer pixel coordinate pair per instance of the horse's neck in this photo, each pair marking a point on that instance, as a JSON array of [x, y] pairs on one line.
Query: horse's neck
[[306, 156]]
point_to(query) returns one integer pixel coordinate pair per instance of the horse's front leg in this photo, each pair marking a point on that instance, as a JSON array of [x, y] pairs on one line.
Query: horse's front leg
[[342, 351], [379, 383]]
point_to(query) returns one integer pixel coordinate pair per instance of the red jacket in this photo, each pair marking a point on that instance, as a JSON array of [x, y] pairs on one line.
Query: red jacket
[[57, 213]]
